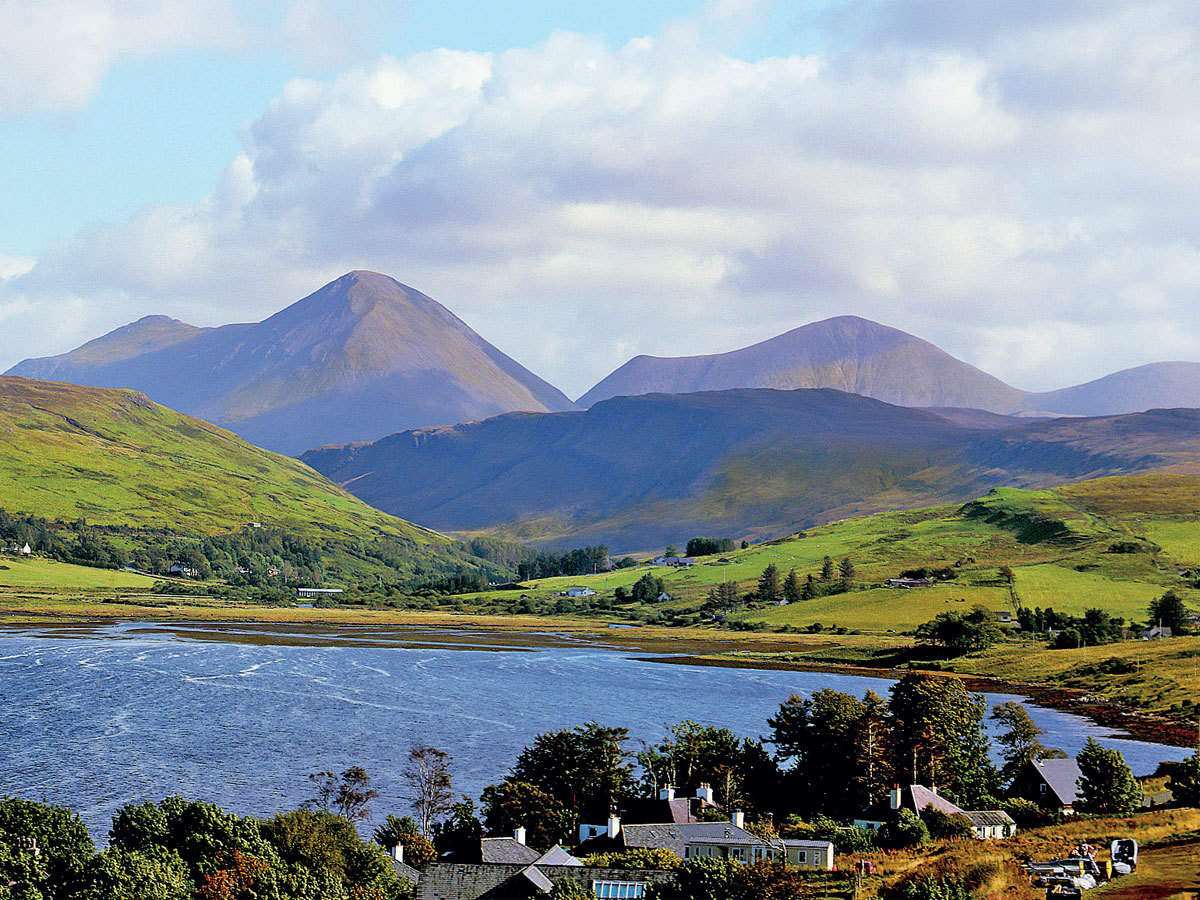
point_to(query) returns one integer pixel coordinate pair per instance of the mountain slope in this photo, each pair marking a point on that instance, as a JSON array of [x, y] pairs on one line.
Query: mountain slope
[[1158, 385], [845, 353], [361, 357], [117, 458], [639, 472]]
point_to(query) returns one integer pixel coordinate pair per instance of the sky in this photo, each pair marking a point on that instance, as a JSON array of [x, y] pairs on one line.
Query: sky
[[1016, 181]]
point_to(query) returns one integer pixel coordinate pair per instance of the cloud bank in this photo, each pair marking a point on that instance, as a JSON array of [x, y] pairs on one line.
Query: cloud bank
[[1020, 187]]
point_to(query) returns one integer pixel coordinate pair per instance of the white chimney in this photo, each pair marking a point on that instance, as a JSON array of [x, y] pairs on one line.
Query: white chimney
[[667, 793], [895, 797], [614, 826], [704, 793], [738, 819], [398, 852], [519, 834]]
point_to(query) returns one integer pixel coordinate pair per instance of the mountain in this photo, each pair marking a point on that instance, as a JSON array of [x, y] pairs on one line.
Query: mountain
[[1159, 385], [846, 353], [863, 357], [362, 357], [639, 472]]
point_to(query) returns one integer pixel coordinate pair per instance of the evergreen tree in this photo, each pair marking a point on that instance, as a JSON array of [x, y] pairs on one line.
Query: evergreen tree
[[1169, 611], [1106, 783], [1185, 780], [768, 584], [1019, 741], [846, 569], [827, 569], [809, 591], [792, 592]]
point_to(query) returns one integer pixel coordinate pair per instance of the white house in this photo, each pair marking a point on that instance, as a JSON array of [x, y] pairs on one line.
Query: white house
[[987, 824], [26, 549], [579, 592]]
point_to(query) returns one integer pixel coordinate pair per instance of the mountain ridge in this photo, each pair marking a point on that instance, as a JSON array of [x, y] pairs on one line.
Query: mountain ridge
[[361, 357], [643, 471]]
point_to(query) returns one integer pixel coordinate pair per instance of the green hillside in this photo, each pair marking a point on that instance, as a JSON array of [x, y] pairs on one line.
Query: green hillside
[[150, 481], [1060, 545]]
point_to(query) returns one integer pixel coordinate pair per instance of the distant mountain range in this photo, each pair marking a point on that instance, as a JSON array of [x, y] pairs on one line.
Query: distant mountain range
[[856, 355], [366, 356], [638, 472], [362, 357]]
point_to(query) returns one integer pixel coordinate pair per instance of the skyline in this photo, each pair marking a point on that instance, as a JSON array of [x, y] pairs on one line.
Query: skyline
[[1015, 185]]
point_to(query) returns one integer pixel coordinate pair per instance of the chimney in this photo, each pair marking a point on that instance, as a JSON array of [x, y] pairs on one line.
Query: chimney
[[614, 826], [519, 834], [398, 852], [738, 819], [704, 793], [895, 797], [667, 793]]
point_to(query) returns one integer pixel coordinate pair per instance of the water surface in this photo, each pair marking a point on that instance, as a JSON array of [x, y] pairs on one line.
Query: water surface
[[97, 716]]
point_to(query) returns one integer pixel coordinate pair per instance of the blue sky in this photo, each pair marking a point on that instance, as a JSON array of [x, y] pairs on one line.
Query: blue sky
[[160, 129], [1017, 181]]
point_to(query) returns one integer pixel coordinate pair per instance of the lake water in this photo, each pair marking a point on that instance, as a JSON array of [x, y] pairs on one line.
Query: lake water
[[94, 717]]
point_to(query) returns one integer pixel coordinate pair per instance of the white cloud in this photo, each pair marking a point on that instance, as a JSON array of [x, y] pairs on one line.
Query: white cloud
[[55, 53], [1022, 189]]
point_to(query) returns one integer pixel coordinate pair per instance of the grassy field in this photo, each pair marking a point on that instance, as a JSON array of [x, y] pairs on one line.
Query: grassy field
[[56, 576]]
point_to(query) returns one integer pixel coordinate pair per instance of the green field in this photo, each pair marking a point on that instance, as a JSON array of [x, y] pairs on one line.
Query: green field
[[1060, 545], [46, 573]]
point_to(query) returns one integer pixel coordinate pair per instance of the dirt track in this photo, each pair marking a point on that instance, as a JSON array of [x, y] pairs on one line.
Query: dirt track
[[1163, 872]]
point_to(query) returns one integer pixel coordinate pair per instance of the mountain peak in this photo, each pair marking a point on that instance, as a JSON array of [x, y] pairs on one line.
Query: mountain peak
[[847, 353]]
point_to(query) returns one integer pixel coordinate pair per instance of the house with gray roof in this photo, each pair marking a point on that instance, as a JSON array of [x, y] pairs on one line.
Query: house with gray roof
[[1050, 783], [987, 824]]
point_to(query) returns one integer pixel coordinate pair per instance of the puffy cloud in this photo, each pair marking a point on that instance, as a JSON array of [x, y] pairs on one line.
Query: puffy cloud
[[54, 53], [1021, 189]]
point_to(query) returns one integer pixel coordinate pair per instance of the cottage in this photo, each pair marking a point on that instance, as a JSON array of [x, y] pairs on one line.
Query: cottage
[[25, 550], [663, 597], [986, 825], [1052, 784], [675, 562], [182, 569], [715, 840], [578, 592], [1157, 632], [314, 593]]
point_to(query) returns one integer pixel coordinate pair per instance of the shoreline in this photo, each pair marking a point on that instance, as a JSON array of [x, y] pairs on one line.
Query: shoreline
[[1135, 725]]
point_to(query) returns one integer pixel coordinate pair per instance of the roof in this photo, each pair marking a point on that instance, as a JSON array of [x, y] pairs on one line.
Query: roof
[[405, 871], [922, 797], [557, 856], [808, 845], [499, 881], [506, 850], [676, 837], [652, 811], [982, 818], [1062, 777]]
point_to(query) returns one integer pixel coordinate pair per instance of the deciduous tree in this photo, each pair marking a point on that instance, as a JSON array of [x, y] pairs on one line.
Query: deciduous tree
[[1106, 783]]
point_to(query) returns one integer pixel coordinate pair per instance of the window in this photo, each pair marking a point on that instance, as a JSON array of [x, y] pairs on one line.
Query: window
[[619, 890], [802, 857]]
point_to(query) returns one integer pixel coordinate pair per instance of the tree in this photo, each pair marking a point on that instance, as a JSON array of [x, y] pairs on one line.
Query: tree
[[907, 830], [418, 849], [647, 588], [585, 769], [692, 754], [722, 596], [671, 550], [1170, 612], [769, 879], [939, 740], [1106, 783], [846, 569], [460, 831], [429, 785], [513, 804], [768, 584], [347, 795], [820, 735], [874, 771], [1019, 740], [975, 630], [792, 592], [809, 591], [827, 569], [570, 889], [126, 875], [704, 878], [1185, 780], [330, 849], [62, 841]]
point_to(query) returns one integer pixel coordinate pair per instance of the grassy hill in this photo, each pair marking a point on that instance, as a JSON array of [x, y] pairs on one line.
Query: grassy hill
[[139, 471], [1058, 543]]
